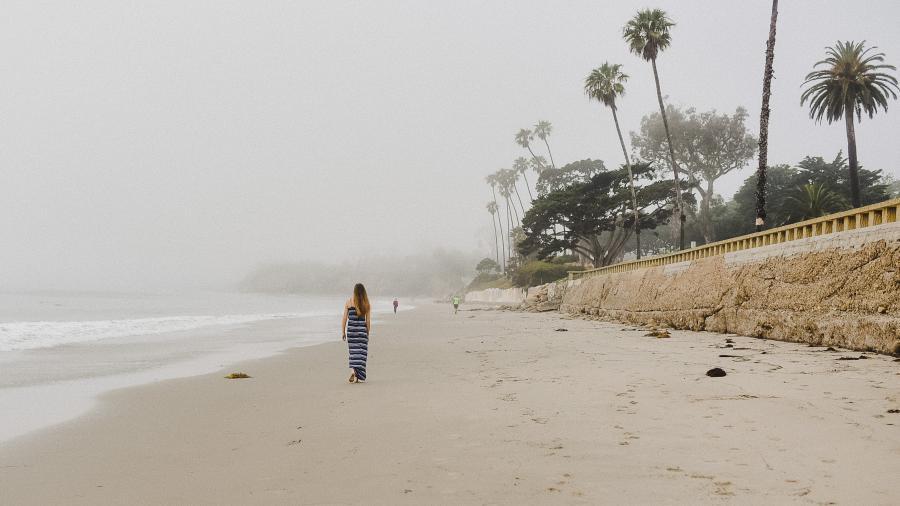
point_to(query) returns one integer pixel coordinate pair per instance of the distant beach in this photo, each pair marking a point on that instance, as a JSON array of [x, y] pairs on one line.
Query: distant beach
[[489, 407]]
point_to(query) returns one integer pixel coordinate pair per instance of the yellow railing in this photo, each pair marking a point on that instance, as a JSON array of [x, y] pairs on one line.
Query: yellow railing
[[862, 217]]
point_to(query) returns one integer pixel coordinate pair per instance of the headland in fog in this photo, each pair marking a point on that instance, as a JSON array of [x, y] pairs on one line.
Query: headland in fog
[[438, 274]]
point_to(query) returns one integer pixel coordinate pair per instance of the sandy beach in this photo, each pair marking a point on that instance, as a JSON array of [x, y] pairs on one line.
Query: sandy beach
[[488, 407]]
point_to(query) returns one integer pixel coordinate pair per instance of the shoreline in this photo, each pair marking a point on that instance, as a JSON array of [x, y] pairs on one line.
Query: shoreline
[[69, 399], [487, 407], [68, 396]]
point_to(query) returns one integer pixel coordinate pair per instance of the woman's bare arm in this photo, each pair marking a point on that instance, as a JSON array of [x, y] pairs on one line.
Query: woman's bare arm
[[344, 322]]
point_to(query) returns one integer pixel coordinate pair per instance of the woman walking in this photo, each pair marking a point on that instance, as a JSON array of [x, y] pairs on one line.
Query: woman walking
[[355, 330]]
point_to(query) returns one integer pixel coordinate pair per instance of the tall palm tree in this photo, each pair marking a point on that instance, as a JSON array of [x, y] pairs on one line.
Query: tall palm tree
[[853, 80], [492, 208], [511, 179], [504, 189], [647, 33], [764, 123], [604, 84], [542, 130], [521, 166], [524, 138], [492, 180]]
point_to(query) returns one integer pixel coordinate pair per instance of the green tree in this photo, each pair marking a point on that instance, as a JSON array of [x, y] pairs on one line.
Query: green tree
[[783, 181], [707, 146], [812, 201], [605, 84], [487, 266], [836, 176], [734, 217], [595, 213], [542, 129], [852, 80], [567, 175], [892, 187], [764, 122], [647, 33]]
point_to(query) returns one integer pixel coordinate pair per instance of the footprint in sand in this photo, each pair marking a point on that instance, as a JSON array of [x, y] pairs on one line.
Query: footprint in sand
[[723, 488]]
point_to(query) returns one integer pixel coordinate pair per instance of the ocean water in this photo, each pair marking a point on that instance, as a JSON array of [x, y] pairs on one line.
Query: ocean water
[[44, 320], [60, 351]]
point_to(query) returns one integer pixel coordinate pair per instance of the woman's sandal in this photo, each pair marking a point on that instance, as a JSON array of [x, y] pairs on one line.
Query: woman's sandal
[[353, 378]]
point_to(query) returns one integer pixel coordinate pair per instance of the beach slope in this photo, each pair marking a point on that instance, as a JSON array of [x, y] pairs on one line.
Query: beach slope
[[488, 407]]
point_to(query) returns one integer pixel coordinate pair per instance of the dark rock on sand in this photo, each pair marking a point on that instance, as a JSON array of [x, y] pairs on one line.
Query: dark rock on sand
[[562, 330], [715, 372]]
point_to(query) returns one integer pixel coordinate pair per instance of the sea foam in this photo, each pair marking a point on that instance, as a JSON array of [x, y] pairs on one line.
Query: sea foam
[[26, 335]]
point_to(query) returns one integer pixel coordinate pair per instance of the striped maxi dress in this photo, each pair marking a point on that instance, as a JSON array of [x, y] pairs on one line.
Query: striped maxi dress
[[357, 342]]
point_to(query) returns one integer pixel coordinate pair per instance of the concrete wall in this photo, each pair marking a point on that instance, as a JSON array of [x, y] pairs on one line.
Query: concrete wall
[[840, 289], [497, 295]]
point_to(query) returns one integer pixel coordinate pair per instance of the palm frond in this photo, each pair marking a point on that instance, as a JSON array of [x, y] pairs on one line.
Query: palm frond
[[852, 78]]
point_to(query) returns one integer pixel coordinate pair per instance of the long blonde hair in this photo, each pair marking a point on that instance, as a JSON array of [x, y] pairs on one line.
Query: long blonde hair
[[360, 300]]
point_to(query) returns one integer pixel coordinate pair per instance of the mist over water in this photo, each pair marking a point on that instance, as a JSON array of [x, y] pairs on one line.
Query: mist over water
[[185, 145]]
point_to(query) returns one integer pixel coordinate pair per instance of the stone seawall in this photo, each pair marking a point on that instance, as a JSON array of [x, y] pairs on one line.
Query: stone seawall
[[840, 289], [497, 295]]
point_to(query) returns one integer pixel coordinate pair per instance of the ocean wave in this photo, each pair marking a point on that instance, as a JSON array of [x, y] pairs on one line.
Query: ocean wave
[[29, 335]]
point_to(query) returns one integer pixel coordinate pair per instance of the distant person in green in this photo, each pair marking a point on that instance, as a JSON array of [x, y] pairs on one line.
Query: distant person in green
[[455, 304]]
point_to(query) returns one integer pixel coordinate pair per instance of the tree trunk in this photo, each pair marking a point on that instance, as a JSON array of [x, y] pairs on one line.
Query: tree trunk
[[634, 203], [851, 154], [706, 215], [678, 203], [509, 241], [764, 124], [515, 212], [500, 221], [519, 197], [496, 243], [552, 163], [528, 187], [534, 157]]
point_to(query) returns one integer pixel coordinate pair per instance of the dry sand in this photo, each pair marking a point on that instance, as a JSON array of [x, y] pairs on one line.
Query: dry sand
[[488, 407]]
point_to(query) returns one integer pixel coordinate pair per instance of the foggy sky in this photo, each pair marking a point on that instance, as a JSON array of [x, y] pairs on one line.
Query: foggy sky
[[174, 144]]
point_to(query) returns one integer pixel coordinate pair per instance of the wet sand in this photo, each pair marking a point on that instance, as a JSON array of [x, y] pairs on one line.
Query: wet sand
[[488, 407]]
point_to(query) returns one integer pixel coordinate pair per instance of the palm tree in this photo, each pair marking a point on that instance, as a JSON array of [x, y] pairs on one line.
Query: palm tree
[[521, 166], [853, 80], [647, 33], [492, 208], [524, 138], [604, 84], [813, 200], [764, 123], [493, 182], [542, 130], [511, 179], [504, 189]]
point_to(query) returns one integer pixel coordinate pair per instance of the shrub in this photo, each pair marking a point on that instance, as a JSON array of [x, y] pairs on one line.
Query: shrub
[[538, 272]]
